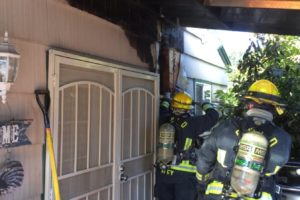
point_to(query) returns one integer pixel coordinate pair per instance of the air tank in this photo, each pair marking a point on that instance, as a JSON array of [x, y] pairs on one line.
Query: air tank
[[249, 163], [165, 149]]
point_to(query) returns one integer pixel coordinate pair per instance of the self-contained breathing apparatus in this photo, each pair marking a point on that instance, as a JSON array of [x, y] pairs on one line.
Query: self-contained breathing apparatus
[[167, 152], [249, 163], [244, 179], [166, 145], [253, 145]]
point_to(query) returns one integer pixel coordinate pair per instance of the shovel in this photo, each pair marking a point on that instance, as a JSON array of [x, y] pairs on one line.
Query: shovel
[[45, 108]]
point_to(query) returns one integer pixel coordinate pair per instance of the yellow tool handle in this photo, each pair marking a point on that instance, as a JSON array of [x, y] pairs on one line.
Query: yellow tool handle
[[52, 163]]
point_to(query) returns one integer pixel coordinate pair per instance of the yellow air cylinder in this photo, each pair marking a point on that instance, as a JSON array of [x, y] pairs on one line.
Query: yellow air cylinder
[[249, 163], [165, 150]]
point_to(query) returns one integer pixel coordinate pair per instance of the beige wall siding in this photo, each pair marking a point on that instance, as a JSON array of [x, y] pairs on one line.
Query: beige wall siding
[[56, 24], [34, 26]]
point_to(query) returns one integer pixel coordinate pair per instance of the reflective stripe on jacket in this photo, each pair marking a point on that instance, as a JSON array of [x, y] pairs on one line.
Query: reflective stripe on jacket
[[184, 166]]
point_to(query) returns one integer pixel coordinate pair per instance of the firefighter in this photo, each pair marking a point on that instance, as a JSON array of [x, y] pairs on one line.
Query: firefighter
[[175, 172], [241, 155]]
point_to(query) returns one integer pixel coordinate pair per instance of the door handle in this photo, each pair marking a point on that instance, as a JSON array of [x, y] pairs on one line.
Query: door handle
[[123, 177], [122, 168]]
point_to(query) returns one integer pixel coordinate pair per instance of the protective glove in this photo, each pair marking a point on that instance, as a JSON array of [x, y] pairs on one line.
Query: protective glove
[[165, 103], [206, 105]]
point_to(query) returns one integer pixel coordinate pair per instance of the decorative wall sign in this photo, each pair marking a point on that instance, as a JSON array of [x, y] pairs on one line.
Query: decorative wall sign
[[11, 176], [12, 133]]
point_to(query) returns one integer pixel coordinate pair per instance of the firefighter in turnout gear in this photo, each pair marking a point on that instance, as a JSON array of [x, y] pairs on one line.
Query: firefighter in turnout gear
[[241, 156], [175, 167]]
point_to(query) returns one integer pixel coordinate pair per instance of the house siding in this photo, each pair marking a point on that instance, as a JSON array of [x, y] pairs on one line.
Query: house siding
[[199, 69], [201, 60], [35, 26]]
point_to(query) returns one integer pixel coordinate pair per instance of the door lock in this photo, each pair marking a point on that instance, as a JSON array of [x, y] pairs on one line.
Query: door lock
[[123, 177]]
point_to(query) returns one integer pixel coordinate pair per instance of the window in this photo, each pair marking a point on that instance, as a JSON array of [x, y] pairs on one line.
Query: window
[[205, 92], [202, 93]]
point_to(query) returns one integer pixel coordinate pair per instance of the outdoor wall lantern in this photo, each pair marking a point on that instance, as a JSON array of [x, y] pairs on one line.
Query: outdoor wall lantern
[[9, 64]]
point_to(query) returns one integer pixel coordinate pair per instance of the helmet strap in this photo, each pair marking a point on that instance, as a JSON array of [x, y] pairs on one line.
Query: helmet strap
[[279, 110]]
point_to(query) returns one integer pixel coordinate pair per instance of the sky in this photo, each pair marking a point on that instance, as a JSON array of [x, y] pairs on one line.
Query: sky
[[234, 42]]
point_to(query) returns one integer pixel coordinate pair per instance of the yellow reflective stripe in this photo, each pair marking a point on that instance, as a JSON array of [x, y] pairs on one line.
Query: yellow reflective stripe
[[201, 177], [165, 104], [233, 195], [277, 168], [184, 124], [273, 142], [264, 196], [237, 132], [185, 163], [221, 154], [188, 143], [214, 187], [185, 167]]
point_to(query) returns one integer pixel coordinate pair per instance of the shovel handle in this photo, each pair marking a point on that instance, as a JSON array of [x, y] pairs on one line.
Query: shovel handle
[[44, 106], [52, 164]]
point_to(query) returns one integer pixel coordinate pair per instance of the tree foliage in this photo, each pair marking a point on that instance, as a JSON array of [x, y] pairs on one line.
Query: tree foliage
[[272, 57]]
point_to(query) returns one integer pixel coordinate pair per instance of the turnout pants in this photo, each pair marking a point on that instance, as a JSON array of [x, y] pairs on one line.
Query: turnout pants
[[175, 185]]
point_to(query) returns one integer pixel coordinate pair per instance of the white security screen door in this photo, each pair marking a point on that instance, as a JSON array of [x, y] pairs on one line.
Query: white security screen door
[[138, 128], [104, 124]]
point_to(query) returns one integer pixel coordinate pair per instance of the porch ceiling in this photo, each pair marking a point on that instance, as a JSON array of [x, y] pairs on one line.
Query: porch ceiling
[[264, 16]]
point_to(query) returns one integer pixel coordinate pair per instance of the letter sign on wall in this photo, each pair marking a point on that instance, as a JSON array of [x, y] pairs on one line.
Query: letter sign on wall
[[12, 133]]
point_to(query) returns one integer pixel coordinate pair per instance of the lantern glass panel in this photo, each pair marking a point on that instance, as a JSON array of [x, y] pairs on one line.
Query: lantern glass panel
[[3, 68], [13, 69]]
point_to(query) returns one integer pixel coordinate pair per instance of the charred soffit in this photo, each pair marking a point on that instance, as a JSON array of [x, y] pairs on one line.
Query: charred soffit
[[138, 21], [278, 21], [197, 13]]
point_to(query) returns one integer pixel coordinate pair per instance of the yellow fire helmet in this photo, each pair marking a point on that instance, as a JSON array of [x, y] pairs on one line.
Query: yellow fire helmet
[[264, 91], [182, 100]]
